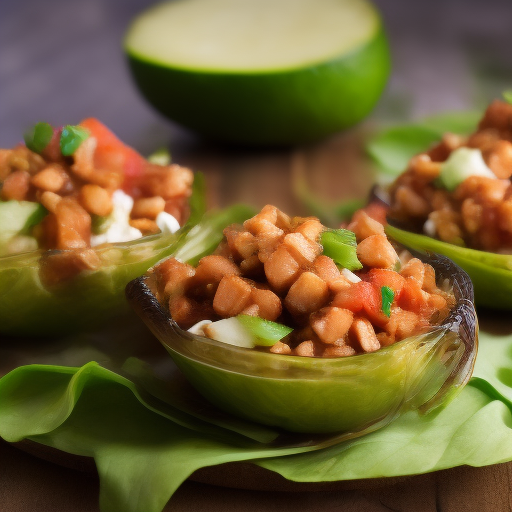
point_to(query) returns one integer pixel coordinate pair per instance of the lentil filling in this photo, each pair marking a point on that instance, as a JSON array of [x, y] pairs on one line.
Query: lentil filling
[[274, 267], [99, 191], [472, 208]]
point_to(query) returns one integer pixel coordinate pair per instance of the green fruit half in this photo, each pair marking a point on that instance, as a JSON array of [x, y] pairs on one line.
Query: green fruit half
[[351, 395], [260, 72]]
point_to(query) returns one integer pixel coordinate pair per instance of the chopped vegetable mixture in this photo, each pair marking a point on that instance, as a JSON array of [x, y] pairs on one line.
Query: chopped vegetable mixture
[[77, 187], [460, 190], [291, 286]]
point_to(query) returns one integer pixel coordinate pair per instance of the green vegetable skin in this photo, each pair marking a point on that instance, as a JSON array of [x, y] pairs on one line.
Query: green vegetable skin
[[336, 400], [301, 394], [27, 308], [491, 273]]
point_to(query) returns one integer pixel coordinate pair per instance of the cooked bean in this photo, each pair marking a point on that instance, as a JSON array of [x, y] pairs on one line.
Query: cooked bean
[[280, 348], [96, 200], [281, 269], [307, 294], [148, 207], [364, 333], [50, 200], [145, 226], [16, 186], [301, 248], [232, 296], [376, 251], [269, 304], [51, 178], [305, 349], [499, 158], [364, 226], [331, 324]]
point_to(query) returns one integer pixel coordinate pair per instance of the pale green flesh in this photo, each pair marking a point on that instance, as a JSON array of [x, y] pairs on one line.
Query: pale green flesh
[[251, 35], [16, 217]]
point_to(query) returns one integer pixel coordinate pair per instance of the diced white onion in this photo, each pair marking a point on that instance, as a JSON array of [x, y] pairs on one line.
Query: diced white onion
[[348, 274], [199, 327]]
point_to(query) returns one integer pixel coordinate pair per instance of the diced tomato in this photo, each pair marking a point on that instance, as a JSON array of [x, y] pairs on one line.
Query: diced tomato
[[382, 277], [113, 154], [412, 297], [362, 296]]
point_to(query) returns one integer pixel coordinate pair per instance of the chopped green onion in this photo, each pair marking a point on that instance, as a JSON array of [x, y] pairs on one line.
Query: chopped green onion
[[388, 296], [508, 95], [266, 332], [38, 137], [341, 246], [71, 138]]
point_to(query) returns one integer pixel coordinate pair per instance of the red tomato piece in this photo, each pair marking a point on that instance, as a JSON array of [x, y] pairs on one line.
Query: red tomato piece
[[362, 296], [113, 154], [412, 297], [382, 277]]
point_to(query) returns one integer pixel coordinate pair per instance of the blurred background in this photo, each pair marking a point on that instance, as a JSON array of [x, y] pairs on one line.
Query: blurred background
[[62, 60]]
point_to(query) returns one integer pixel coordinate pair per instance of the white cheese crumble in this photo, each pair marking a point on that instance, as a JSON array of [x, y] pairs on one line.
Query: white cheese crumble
[[429, 228], [119, 229], [167, 223]]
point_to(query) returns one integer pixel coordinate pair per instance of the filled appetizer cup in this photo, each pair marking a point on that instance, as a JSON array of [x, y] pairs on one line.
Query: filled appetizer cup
[[293, 325], [81, 214], [456, 199]]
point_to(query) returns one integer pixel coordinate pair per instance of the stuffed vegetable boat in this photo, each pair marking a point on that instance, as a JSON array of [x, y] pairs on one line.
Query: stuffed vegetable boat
[[294, 325], [456, 199], [81, 214]]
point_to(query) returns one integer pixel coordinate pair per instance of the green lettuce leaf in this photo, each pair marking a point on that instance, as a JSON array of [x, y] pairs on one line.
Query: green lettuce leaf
[[145, 448], [392, 148]]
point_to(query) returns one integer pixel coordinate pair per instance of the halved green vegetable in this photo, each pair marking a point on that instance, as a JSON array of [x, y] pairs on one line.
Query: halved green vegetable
[[28, 308], [351, 395], [491, 273], [341, 245]]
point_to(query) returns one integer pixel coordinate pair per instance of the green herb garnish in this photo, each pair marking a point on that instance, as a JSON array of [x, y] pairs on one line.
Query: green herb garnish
[[71, 138], [388, 296], [38, 137], [508, 95]]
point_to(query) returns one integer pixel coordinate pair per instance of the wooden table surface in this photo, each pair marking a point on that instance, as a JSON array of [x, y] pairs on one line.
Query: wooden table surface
[[61, 60]]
